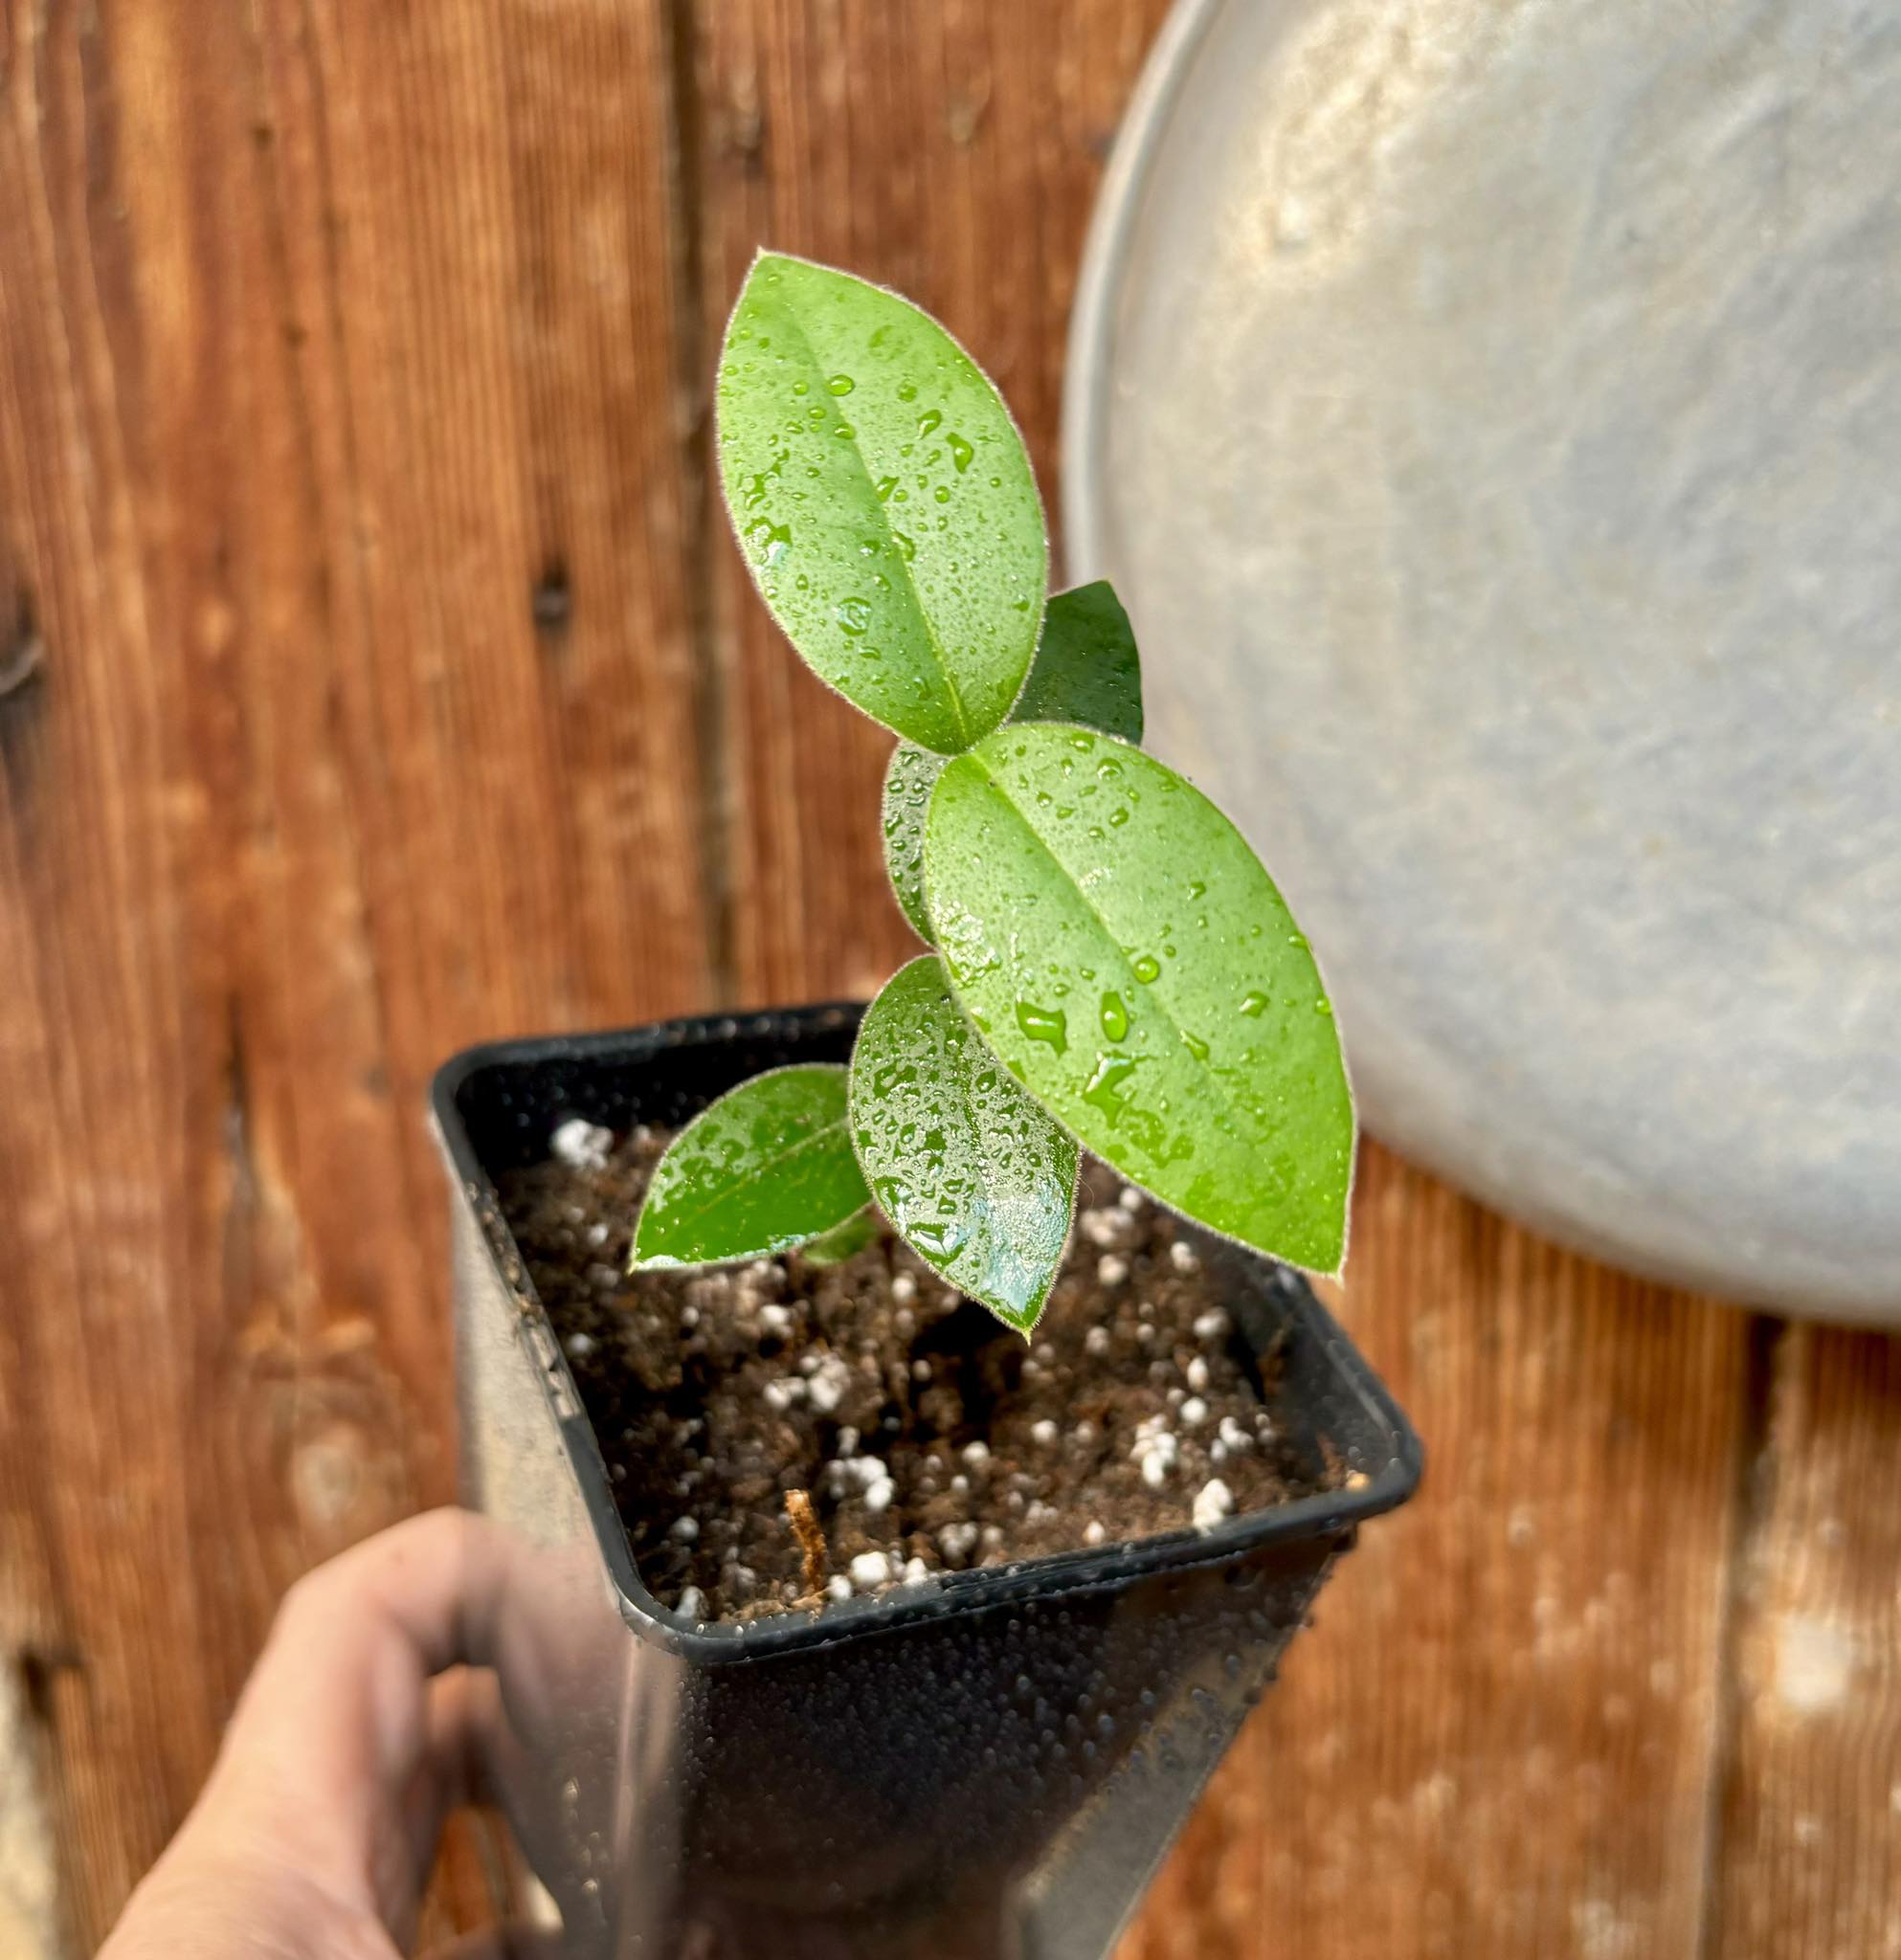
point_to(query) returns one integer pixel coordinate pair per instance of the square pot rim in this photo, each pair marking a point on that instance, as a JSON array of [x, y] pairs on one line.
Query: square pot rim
[[1391, 1470]]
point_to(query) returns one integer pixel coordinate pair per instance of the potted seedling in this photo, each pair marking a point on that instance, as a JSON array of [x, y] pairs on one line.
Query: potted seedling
[[914, 1432]]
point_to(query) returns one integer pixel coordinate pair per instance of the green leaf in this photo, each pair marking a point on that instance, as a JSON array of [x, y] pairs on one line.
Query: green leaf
[[1086, 668], [909, 778], [835, 1247], [977, 1178], [1116, 941], [767, 1167], [884, 501]]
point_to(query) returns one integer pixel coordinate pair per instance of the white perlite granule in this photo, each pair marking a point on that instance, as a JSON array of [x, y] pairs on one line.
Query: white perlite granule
[[830, 1380], [1155, 1450], [956, 1542], [581, 1144], [845, 1475], [1103, 1227], [1213, 1503], [869, 1570]]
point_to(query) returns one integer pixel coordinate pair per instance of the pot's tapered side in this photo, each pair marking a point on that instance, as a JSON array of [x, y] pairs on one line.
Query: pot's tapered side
[[588, 1709], [985, 1768]]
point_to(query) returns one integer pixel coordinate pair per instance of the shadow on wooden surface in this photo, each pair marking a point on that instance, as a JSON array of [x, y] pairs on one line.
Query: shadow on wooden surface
[[375, 676]]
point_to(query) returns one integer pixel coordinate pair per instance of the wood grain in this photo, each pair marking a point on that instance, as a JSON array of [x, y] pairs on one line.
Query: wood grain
[[340, 473], [1810, 1799], [376, 675], [1500, 1737]]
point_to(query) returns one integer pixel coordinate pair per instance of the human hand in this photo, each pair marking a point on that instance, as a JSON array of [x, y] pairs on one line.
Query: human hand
[[355, 1736]]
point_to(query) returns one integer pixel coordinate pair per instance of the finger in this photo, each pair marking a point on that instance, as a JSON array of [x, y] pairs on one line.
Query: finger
[[513, 1941], [333, 1732], [340, 1687], [461, 1711], [434, 1581], [463, 1725]]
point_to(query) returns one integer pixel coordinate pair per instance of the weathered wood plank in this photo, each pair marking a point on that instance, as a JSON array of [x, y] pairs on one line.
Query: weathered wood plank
[[1809, 1831], [338, 470], [1501, 1738]]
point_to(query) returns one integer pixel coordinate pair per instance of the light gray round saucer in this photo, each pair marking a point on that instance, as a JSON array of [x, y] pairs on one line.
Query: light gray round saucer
[[1491, 417]]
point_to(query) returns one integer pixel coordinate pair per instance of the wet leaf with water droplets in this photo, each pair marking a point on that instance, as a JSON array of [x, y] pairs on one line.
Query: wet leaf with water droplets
[[909, 778], [1199, 1057], [976, 1177], [767, 1167], [1086, 668], [844, 415]]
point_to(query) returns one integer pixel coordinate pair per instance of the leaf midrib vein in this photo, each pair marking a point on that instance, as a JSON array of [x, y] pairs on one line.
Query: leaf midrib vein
[[1037, 837], [944, 672], [764, 1166], [978, 1151]]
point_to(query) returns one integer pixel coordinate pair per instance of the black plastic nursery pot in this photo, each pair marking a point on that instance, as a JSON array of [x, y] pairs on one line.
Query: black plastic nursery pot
[[986, 1767]]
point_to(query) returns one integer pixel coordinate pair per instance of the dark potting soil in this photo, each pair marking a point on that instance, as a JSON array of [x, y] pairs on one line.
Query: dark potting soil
[[925, 1435]]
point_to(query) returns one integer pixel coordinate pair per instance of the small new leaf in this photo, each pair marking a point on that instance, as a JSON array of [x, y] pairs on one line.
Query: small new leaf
[[1086, 669], [884, 499], [835, 1247], [1116, 941], [976, 1176], [767, 1167], [909, 778]]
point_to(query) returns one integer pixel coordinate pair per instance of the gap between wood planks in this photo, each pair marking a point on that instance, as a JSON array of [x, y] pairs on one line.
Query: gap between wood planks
[[31, 1895], [693, 356], [1755, 1465]]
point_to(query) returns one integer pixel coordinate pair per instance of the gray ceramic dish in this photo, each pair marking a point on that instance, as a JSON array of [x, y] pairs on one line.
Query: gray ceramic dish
[[1492, 420]]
